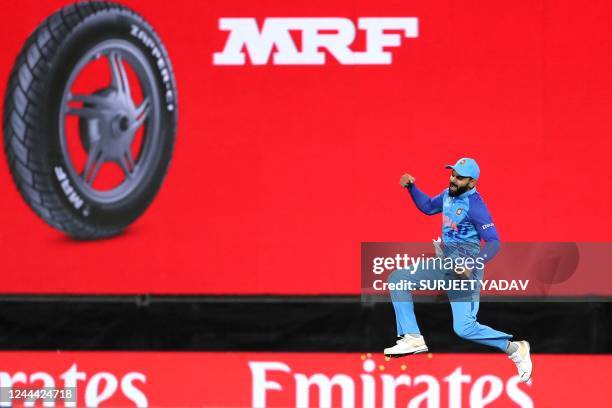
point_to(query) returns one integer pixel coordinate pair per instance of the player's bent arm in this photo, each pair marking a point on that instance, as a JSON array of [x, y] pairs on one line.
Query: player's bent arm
[[427, 205], [489, 250], [482, 221]]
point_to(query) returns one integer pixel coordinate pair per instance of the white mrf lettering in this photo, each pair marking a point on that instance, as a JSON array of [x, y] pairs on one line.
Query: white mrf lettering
[[71, 194], [334, 34]]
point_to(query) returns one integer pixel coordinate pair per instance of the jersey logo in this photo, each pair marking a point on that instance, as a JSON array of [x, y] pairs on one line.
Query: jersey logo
[[459, 211], [485, 226]]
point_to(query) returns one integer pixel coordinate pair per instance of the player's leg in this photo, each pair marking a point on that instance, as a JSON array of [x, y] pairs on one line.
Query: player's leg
[[402, 303], [410, 339], [466, 326]]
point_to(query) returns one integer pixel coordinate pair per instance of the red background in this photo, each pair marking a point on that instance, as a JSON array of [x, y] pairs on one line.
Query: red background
[[280, 172], [226, 379]]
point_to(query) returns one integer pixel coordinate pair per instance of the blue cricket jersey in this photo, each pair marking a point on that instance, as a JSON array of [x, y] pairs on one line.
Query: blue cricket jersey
[[465, 222]]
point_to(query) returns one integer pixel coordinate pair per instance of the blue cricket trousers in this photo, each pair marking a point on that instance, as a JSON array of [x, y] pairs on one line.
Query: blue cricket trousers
[[464, 306]]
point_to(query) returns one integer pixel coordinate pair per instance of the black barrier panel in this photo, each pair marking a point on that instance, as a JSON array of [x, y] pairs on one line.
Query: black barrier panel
[[338, 323]]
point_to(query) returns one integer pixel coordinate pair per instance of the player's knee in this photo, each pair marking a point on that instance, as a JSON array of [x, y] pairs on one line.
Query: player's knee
[[463, 329]]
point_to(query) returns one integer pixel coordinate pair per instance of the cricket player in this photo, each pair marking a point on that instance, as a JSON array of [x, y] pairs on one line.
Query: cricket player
[[466, 221]]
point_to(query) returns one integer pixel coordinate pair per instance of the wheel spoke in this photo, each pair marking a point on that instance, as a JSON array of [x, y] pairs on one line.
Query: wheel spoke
[[130, 159], [98, 100], [142, 112], [127, 164], [91, 113], [119, 79], [143, 109], [93, 164]]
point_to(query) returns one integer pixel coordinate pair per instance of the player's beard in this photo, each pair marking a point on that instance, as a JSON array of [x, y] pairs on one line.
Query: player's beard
[[458, 191]]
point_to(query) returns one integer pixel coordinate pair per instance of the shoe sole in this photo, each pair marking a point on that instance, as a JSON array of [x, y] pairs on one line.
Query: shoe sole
[[416, 351]]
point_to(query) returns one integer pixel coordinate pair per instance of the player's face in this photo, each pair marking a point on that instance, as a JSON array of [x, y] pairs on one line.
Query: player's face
[[459, 184]]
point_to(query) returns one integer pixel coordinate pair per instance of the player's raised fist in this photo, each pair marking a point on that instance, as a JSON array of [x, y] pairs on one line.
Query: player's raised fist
[[406, 179]]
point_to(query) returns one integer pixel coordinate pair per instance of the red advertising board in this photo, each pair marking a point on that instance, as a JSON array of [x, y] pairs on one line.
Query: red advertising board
[[124, 379], [282, 169]]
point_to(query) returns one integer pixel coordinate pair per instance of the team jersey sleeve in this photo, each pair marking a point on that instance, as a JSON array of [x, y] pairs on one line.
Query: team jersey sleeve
[[482, 221], [427, 205]]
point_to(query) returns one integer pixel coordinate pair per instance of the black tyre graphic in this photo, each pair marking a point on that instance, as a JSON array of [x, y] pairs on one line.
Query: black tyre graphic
[[90, 119]]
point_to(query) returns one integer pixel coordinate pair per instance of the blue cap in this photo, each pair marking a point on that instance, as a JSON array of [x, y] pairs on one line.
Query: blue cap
[[466, 167]]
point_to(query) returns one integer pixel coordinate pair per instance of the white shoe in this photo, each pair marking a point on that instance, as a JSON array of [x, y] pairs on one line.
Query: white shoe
[[407, 345], [522, 359]]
